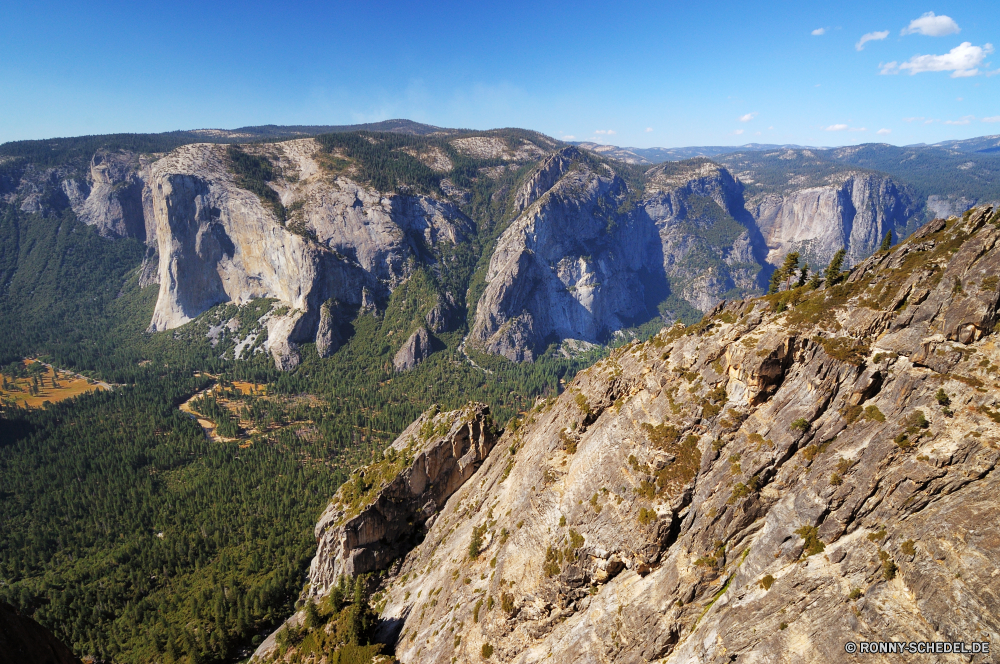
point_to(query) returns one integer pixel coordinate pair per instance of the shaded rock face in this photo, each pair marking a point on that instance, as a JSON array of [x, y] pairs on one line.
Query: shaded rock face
[[414, 350], [760, 487], [854, 214], [24, 641], [437, 454], [444, 316], [116, 203], [579, 264]]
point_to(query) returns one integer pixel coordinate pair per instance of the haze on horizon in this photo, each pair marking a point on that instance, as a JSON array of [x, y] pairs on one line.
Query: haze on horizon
[[636, 74]]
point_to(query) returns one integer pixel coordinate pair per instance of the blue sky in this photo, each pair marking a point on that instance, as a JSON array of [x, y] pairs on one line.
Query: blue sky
[[655, 74]]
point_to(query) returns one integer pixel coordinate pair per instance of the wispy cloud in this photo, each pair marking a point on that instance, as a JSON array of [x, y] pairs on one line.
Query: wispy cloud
[[871, 36], [932, 26], [737, 132], [884, 132], [992, 118], [836, 127], [962, 61], [609, 132], [568, 137], [649, 129], [961, 121], [818, 31], [748, 117]]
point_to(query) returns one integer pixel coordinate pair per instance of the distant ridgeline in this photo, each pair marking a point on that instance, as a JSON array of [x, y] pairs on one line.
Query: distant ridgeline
[[358, 275]]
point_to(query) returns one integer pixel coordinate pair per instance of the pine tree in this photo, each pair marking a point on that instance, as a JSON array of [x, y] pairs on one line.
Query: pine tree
[[833, 275], [312, 615], [784, 274], [886, 241]]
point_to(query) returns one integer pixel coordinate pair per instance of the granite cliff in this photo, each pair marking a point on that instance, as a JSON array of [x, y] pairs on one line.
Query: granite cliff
[[793, 473], [853, 212], [591, 253]]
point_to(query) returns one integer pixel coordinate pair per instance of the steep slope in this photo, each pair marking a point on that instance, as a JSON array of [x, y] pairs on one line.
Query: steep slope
[[591, 254], [791, 474]]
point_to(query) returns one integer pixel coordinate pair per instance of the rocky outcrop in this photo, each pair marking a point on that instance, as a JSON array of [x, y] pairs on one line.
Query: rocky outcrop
[[376, 515], [854, 213], [24, 641], [118, 203], [384, 509], [327, 335], [763, 486], [581, 263], [414, 350]]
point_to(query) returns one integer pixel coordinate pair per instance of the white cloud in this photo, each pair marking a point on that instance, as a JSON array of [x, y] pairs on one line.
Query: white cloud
[[770, 127], [961, 121], [609, 132], [748, 117], [568, 137], [649, 129], [818, 31], [932, 26], [958, 99], [737, 132], [836, 127], [756, 133], [992, 118], [871, 36], [962, 61], [911, 119], [884, 132]]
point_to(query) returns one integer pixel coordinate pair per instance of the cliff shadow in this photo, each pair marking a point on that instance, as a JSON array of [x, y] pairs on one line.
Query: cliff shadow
[[736, 206]]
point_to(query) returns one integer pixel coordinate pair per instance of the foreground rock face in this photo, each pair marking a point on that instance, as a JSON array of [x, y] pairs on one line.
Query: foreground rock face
[[764, 486], [376, 515], [24, 641], [385, 509]]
